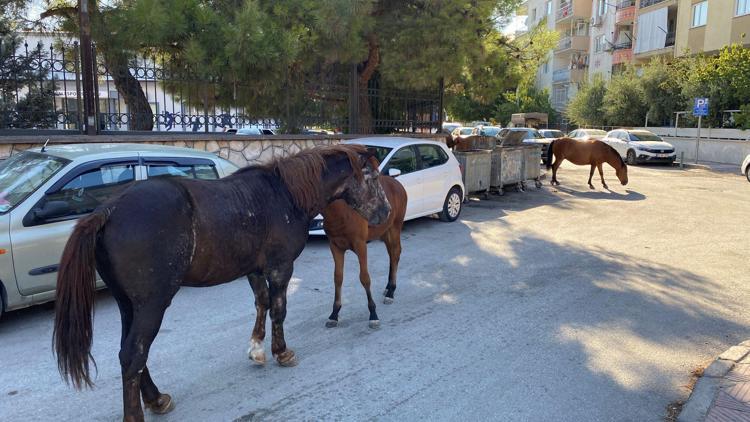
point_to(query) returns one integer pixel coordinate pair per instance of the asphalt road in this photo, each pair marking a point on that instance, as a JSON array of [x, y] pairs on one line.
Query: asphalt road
[[553, 304]]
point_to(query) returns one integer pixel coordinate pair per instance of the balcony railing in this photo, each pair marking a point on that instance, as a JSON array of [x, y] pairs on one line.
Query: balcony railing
[[565, 11], [561, 75], [564, 43], [624, 4], [624, 45], [647, 3]]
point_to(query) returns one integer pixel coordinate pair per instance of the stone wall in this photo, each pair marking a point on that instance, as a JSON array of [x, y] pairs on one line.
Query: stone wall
[[240, 150]]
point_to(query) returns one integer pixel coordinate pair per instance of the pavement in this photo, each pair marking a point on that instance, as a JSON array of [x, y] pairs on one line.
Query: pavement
[[564, 304], [722, 394]]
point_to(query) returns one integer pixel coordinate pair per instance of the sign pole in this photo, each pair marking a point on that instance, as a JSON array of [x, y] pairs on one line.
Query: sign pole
[[698, 140]]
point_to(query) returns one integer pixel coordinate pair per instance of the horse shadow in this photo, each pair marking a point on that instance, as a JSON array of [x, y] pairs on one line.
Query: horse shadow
[[608, 194]]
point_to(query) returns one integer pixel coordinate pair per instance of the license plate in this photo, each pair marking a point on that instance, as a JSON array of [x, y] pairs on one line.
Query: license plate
[[663, 155]]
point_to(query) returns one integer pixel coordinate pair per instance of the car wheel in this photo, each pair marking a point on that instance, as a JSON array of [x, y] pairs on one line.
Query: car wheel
[[631, 158], [452, 205], [747, 173]]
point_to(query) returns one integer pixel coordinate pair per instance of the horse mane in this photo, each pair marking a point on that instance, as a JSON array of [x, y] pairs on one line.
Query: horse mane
[[302, 172], [617, 154]]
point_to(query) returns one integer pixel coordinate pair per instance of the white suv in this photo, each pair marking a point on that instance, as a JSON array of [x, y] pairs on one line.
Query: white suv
[[428, 171], [44, 191]]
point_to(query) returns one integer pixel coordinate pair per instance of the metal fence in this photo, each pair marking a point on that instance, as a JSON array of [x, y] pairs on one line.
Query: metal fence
[[41, 88]]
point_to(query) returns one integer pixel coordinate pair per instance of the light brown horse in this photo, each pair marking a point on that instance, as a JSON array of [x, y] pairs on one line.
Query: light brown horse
[[593, 153], [348, 230]]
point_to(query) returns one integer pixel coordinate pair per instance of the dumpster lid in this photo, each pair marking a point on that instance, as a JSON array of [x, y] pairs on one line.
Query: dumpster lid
[[514, 137]]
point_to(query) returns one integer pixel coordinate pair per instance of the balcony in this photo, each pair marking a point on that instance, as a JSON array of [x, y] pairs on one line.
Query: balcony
[[562, 76], [622, 56], [625, 13], [565, 11], [572, 43], [647, 3]]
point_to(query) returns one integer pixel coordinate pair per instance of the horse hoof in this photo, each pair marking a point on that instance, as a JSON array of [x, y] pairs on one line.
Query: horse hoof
[[331, 323], [591, 187], [257, 355], [164, 404], [388, 300], [287, 358], [605, 186], [374, 324]]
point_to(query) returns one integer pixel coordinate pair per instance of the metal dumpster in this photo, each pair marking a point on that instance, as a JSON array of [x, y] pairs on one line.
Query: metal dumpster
[[475, 170], [475, 142], [532, 168], [513, 165]]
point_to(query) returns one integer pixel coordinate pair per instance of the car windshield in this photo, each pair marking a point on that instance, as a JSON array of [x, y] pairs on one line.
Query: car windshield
[[466, 131], [490, 131], [533, 134], [553, 134], [595, 132], [644, 137], [380, 152], [22, 174]]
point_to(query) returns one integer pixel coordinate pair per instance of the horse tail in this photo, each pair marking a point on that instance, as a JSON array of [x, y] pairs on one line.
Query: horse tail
[[550, 153], [76, 278]]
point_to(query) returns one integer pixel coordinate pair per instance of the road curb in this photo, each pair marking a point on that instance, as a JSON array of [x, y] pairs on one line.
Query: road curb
[[695, 166], [714, 379]]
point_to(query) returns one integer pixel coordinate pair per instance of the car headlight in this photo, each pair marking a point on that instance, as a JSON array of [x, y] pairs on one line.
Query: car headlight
[[644, 149], [316, 224]]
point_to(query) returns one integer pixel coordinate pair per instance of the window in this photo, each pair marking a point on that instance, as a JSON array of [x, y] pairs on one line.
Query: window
[[90, 189], [404, 159], [533, 16], [599, 44], [200, 171], [431, 156], [700, 14], [601, 8], [549, 7], [743, 8], [22, 174]]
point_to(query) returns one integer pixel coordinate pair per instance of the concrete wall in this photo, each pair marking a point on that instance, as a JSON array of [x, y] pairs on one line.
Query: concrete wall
[[724, 151], [710, 133], [240, 150]]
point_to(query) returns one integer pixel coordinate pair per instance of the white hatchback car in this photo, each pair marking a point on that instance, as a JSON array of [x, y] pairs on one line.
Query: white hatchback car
[[428, 171], [746, 167], [587, 134], [640, 146], [43, 192]]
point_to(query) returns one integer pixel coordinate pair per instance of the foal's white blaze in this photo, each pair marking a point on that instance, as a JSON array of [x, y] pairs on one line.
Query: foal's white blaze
[[256, 352]]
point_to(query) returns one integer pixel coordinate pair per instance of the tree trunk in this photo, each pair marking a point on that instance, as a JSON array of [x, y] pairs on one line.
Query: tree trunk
[[366, 69], [140, 115]]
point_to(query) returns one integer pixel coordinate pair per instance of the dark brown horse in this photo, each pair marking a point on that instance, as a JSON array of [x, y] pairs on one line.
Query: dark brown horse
[[347, 230], [162, 234], [581, 153]]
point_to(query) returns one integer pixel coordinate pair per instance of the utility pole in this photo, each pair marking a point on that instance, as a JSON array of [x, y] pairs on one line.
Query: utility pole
[[88, 67]]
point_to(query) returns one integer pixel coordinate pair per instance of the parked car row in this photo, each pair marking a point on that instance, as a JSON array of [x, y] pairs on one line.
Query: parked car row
[[44, 191]]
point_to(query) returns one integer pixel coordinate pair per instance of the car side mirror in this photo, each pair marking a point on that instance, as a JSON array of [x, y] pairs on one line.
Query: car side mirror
[[51, 209], [394, 172]]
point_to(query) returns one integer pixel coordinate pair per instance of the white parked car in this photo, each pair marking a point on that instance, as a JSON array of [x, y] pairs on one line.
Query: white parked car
[[486, 130], [428, 171], [640, 146], [255, 130], [551, 133], [43, 192], [746, 167], [587, 134]]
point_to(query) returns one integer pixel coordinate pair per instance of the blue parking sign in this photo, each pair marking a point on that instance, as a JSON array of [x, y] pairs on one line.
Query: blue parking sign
[[700, 108]]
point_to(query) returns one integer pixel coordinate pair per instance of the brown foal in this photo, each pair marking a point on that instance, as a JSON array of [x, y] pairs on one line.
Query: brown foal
[[348, 230], [581, 153]]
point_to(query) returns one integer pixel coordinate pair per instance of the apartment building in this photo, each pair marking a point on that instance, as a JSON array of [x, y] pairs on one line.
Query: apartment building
[[603, 36]]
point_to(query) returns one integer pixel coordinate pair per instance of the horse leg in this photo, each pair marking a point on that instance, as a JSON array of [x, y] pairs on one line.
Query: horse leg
[[393, 245], [338, 280], [555, 166], [601, 174], [360, 248], [278, 280], [133, 356], [149, 391], [260, 289], [591, 174]]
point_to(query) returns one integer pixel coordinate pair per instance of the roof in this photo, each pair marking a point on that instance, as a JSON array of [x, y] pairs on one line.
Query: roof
[[390, 141], [73, 151]]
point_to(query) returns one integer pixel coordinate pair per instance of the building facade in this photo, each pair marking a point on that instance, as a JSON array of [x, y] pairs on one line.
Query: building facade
[[601, 37]]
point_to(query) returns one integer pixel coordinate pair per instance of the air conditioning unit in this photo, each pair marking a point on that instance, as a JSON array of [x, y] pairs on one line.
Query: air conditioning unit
[[597, 21]]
